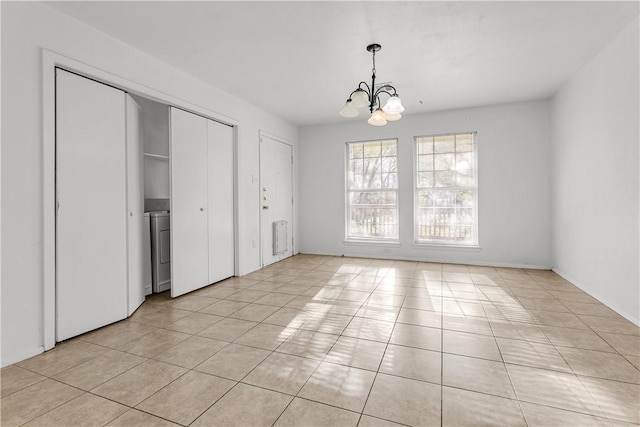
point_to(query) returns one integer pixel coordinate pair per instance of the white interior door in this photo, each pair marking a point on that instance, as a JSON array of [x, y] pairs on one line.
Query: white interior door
[[276, 198], [135, 205], [91, 219], [188, 182], [220, 201]]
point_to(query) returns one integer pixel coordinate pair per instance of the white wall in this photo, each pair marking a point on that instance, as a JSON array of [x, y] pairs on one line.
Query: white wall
[[26, 28], [595, 173], [514, 185]]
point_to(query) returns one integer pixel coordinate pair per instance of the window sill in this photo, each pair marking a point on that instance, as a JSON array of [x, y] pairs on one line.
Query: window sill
[[445, 246], [383, 243]]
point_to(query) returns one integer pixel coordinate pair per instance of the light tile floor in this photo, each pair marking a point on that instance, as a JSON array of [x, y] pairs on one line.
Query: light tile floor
[[317, 340]]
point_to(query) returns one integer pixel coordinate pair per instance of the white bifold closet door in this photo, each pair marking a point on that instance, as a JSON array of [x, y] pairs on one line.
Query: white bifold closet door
[[135, 204], [202, 227], [220, 200], [91, 219]]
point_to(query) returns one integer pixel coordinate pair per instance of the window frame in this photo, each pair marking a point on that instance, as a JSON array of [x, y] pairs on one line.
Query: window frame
[[475, 188], [372, 239]]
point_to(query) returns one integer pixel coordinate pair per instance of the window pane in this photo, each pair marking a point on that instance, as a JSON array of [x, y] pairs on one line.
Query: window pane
[[464, 179], [444, 144], [371, 166], [464, 142], [464, 217], [389, 148], [355, 150], [465, 199], [445, 179], [465, 234], [425, 145], [389, 180], [424, 179], [445, 162], [464, 161], [425, 162], [371, 173], [388, 164], [372, 149], [425, 199]]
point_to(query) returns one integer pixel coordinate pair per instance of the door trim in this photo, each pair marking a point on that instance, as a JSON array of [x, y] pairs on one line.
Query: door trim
[[50, 61], [261, 134]]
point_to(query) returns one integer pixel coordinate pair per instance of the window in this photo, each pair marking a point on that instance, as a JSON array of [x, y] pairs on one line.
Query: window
[[446, 189], [372, 190]]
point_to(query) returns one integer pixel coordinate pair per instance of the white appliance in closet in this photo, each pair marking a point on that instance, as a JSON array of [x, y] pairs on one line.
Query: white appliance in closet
[[202, 201], [99, 210]]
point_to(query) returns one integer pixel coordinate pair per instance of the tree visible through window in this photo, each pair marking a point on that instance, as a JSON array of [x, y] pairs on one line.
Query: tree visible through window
[[372, 190], [446, 189]]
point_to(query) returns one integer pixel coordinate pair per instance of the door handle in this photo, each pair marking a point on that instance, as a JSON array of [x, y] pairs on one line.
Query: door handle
[[265, 207], [201, 209]]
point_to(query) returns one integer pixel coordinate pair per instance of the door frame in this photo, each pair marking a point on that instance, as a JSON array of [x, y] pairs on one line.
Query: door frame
[[261, 134], [50, 61]]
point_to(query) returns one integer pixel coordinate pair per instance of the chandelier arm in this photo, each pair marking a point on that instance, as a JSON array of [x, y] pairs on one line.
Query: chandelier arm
[[366, 88], [385, 89]]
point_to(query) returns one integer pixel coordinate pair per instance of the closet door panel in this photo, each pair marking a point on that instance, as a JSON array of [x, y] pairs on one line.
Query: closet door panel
[[188, 170], [135, 205], [91, 219], [220, 200]]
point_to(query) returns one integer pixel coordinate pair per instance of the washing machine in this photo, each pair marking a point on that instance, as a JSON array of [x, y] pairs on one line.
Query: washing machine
[[160, 251]]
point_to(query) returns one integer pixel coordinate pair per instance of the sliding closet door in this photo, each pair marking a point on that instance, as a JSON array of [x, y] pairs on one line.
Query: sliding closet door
[[220, 195], [91, 218], [189, 239]]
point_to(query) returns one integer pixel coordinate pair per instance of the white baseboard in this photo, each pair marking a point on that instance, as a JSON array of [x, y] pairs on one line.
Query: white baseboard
[[631, 318], [15, 358], [435, 260]]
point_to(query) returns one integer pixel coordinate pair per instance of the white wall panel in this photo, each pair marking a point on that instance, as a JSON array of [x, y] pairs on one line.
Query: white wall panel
[[514, 185], [596, 195]]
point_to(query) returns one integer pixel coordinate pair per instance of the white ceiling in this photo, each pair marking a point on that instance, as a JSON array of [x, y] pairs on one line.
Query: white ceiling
[[300, 60]]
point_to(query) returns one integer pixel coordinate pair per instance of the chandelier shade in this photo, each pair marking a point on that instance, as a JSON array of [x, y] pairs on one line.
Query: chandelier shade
[[349, 110], [393, 105], [369, 96], [360, 99], [392, 117], [377, 118]]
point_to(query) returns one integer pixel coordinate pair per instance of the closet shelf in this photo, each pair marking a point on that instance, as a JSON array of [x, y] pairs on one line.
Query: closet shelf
[[156, 156]]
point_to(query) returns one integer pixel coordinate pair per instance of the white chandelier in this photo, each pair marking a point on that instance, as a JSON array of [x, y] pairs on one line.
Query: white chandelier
[[369, 96]]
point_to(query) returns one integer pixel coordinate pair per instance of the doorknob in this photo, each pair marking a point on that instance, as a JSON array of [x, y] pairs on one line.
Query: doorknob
[[265, 207], [201, 209]]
